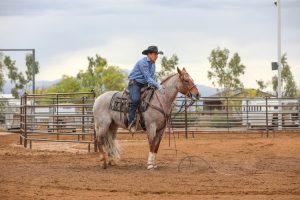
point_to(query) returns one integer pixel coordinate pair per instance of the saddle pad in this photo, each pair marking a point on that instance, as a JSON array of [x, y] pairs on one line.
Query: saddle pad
[[120, 102]]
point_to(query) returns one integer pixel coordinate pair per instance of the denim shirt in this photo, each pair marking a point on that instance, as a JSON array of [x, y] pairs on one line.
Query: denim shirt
[[144, 72]]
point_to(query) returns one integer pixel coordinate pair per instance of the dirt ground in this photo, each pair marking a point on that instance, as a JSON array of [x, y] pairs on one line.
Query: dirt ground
[[209, 166]]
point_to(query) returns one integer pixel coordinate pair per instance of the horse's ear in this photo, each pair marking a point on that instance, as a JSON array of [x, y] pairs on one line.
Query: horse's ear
[[183, 69], [178, 70]]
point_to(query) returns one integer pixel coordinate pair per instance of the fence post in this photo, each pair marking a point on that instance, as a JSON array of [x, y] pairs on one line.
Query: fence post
[[185, 114], [82, 128], [21, 121], [298, 113], [247, 111], [57, 137], [267, 120], [95, 141], [196, 111], [25, 120], [227, 110]]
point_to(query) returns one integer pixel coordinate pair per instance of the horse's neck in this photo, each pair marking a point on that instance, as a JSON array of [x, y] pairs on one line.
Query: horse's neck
[[170, 93]]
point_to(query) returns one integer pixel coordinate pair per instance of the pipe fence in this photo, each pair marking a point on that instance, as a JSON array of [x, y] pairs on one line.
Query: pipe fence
[[68, 117], [216, 114], [9, 114], [57, 117]]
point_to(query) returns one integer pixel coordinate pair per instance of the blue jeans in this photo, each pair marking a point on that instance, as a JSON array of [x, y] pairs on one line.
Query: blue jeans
[[135, 93]]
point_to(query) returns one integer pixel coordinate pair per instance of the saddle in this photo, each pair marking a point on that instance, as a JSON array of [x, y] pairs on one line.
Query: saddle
[[121, 102]]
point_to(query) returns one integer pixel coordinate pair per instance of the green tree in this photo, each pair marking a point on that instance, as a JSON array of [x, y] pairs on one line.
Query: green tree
[[168, 66], [261, 85], [65, 85], [2, 79], [298, 93], [29, 69], [288, 82], [101, 77], [225, 74], [17, 78], [98, 76]]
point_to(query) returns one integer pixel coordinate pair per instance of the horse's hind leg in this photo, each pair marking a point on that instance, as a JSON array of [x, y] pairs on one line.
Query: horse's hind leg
[[113, 131], [100, 142]]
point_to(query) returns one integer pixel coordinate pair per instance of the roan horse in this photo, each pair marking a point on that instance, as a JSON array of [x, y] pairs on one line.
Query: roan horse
[[156, 117]]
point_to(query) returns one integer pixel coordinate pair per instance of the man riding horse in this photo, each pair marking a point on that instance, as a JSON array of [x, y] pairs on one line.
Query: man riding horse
[[142, 74], [107, 120]]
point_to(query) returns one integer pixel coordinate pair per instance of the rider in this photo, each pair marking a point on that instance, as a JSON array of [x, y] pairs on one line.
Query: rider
[[142, 74]]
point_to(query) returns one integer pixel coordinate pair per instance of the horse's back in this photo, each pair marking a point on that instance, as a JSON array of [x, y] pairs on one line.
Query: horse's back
[[102, 102]]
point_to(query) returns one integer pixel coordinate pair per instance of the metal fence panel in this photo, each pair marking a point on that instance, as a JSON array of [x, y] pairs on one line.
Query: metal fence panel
[[59, 117]]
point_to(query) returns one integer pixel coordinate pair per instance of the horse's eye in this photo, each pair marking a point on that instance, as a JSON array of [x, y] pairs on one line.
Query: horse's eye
[[186, 81]]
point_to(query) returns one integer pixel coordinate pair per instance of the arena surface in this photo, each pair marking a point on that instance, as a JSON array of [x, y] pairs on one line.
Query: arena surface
[[210, 166]]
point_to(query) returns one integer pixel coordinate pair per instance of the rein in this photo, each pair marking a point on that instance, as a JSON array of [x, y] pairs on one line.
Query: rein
[[161, 108]]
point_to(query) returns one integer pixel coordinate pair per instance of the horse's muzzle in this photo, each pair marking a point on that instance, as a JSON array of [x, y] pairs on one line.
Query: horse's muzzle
[[196, 96]]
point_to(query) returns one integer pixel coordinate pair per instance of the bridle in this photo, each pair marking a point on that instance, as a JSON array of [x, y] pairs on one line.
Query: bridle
[[161, 108], [188, 93]]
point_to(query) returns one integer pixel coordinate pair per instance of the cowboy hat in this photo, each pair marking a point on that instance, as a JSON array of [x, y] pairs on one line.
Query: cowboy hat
[[152, 49]]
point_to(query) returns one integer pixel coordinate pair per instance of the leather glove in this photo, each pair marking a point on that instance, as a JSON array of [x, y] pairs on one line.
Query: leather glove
[[161, 89]]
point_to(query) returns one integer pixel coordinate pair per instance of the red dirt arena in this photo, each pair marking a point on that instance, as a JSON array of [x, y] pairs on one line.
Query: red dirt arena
[[209, 166]]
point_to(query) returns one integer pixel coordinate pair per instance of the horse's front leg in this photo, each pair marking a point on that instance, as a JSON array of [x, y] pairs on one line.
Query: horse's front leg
[[154, 138]]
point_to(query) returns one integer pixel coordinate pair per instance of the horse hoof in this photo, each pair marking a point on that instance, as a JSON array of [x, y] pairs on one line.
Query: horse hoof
[[151, 167], [101, 157], [104, 166], [112, 163]]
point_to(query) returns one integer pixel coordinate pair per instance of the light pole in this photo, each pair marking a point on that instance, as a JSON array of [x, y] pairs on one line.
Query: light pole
[[279, 94], [278, 4]]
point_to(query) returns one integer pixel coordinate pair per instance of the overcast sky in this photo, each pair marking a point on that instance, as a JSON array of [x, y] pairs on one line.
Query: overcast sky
[[65, 32]]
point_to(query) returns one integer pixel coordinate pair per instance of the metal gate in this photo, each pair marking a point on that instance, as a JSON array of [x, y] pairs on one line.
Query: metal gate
[[57, 117]]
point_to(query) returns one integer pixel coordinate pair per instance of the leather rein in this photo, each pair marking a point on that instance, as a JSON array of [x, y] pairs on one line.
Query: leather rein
[[162, 110]]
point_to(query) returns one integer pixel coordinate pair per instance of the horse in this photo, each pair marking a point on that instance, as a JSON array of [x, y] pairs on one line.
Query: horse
[[156, 117]]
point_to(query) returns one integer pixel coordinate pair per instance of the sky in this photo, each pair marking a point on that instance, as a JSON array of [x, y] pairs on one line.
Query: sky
[[65, 32]]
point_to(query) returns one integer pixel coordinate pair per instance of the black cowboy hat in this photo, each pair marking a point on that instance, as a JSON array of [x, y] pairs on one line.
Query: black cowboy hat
[[152, 49]]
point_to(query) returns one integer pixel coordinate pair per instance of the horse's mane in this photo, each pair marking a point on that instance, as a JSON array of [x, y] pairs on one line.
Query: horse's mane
[[167, 78]]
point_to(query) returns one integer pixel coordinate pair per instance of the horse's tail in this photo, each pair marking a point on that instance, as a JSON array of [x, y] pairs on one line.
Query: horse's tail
[[111, 145]]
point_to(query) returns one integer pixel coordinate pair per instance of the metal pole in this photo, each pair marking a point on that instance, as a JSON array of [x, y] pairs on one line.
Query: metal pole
[[83, 119], [227, 110], [33, 71], [247, 111], [278, 4], [22, 120], [298, 117], [25, 120], [57, 137], [267, 120], [95, 140], [185, 118]]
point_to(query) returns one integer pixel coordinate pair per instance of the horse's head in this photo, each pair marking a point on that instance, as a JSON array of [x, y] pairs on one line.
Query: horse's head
[[187, 85]]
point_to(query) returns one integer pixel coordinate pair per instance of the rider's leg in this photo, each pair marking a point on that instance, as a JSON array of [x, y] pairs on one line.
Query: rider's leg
[[134, 90]]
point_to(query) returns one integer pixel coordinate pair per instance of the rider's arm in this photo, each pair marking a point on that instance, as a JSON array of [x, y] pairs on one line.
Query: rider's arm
[[146, 73]]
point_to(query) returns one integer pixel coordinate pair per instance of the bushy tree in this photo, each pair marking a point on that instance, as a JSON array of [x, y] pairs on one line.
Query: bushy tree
[[18, 79], [29, 70], [168, 66], [288, 82], [98, 76], [2, 79], [102, 77], [225, 73], [65, 85]]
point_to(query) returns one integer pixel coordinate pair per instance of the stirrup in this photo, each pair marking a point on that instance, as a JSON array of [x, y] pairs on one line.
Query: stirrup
[[132, 126]]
